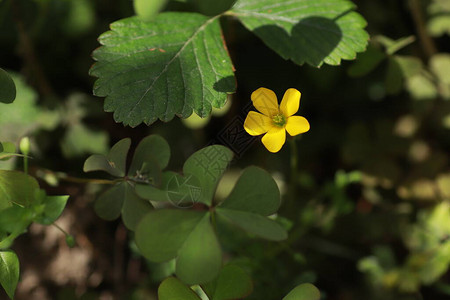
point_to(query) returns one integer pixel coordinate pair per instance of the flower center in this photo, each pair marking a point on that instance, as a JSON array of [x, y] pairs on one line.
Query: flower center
[[279, 120]]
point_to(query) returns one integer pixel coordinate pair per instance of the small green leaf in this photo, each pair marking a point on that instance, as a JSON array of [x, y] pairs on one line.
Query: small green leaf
[[174, 65], [108, 206], [9, 272], [151, 149], [232, 283], [114, 163], [7, 87], [254, 224], [200, 258], [311, 31], [305, 291], [16, 187], [53, 208], [173, 289], [161, 233], [208, 166], [134, 208], [8, 151], [255, 192], [366, 62], [147, 10]]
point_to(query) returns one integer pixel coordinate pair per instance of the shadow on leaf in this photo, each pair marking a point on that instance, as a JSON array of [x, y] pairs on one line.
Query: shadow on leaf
[[311, 40]]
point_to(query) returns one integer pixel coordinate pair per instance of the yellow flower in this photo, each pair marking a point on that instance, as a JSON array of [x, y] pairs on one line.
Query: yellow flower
[[274, 120]]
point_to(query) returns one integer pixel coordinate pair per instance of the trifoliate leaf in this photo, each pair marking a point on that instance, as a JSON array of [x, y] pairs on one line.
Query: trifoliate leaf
[[174, 65], [306, 31]]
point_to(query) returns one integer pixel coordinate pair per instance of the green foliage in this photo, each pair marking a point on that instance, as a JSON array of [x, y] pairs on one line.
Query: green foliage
[[231, 283], [151, 155], [168, 70], [305, 291], [312, 32], [9, 272], [16, 188], [147, 10], [7, 87], [178, 63], [173, 289], [188, 235]]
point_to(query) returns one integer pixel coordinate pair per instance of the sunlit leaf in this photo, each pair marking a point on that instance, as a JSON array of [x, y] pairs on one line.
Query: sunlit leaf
[[171, 66], [173, 289], [16, 187], [305, 291], [306, 31], [9, 272]]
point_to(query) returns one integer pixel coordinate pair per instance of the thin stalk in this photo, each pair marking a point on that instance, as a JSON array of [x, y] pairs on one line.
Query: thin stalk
[[25, 164]]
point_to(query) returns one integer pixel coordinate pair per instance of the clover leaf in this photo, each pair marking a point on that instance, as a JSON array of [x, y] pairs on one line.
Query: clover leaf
[[151, 155]]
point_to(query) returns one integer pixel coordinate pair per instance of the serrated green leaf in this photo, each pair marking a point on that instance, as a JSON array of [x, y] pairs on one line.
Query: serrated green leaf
[[152, 149], [173, 289], [232, 283], [254, 224], [156, 70], [311, 31], [108, 206], [147, 10], [200, 257], [208, 166], [16, 187], [255, 192], [134, 208], [161, 233], [7, 87], [53, 208], [9, 272], [114, 163], [305, 291]]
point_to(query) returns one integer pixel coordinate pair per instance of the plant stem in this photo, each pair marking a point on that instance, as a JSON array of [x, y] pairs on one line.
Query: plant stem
[[25, 164], [62, 230], [427, 42], [294, 160], [64, 177]]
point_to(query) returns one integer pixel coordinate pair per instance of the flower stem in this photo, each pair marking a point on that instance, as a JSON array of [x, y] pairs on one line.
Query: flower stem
[[294, 162]]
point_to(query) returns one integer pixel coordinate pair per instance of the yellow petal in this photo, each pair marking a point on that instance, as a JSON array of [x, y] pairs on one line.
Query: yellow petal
[[256, 123], [265, 101], [274, 139], [290, 103], [296, 125]]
